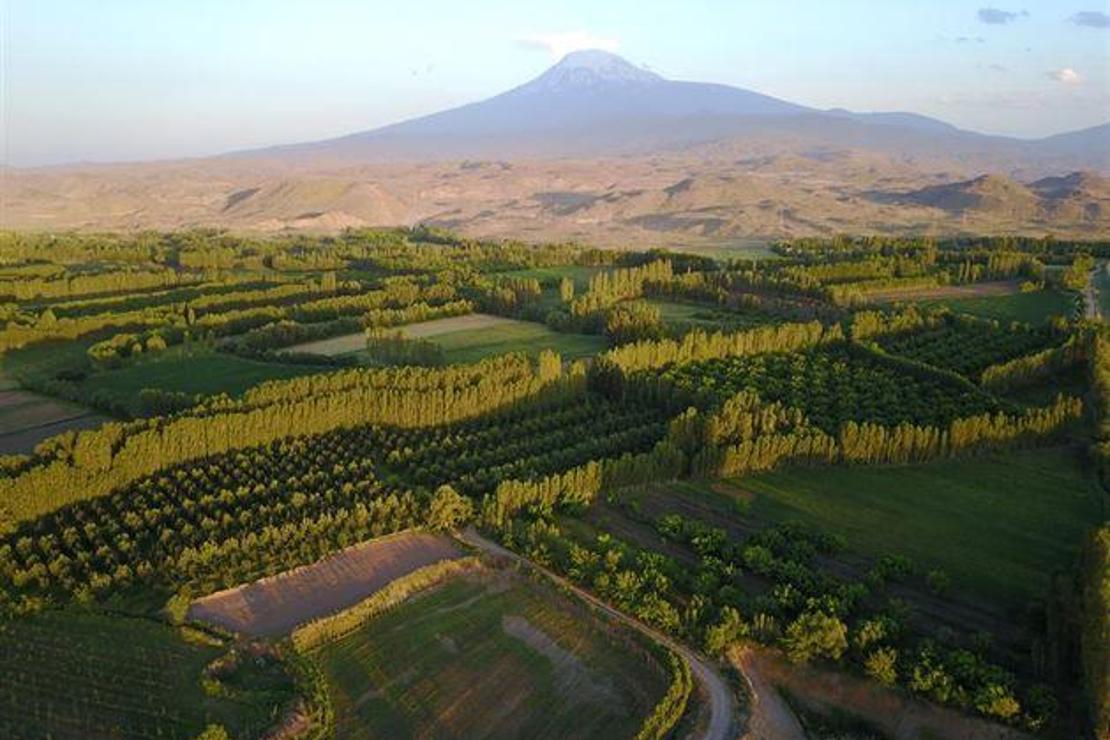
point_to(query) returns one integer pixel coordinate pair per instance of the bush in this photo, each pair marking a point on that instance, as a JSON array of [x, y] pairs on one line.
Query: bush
[[882, 666]]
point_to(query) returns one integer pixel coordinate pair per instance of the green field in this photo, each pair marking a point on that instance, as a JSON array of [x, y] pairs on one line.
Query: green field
[[521, 336], [81, 675], [705, 316], [189, 371], [553, 275], [998, 525], [488, 658], [741, 249], [1030, 308]]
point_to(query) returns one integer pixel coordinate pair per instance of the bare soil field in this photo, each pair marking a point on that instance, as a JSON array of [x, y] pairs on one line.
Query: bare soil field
[[470, 321], [349, 343], [332, 347], [275, 605], [900, 716], [975, 290], [27, 418]]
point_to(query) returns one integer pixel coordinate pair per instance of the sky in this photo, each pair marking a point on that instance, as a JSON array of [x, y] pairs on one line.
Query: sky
[[117, 80]]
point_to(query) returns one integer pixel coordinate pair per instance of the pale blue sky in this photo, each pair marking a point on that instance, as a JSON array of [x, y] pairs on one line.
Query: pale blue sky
[[140, 79]]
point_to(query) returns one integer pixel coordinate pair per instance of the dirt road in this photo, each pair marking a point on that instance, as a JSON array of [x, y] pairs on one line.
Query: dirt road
[[771, 717], [722, 708]]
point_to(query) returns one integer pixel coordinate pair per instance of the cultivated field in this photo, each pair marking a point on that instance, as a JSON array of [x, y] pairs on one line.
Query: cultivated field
[[275, 605], [999, 525], [710, 318], [492, 656], [515, 336], [1029, 308], [27, 418], [944, 292], [71, 675]]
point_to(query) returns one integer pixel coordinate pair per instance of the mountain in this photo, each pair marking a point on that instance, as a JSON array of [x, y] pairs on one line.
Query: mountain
[[598, 150], [595, 102]]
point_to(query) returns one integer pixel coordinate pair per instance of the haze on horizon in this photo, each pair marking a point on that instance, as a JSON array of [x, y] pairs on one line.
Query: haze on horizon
[[127, 80]]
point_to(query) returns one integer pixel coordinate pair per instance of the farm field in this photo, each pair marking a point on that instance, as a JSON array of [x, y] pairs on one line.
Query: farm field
[[1029, 308], [1038, 505], [492, 656], [470, 338], [946, 292], [704, 316], [275, 605], [190, 371], [72, 675], [742, 249], [505, 335], [27, 418]]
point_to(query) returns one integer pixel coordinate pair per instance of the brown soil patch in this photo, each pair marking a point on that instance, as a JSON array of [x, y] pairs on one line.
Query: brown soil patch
[[900, 716], [975, 290], [330, 347], [451, 324], [276, 605]]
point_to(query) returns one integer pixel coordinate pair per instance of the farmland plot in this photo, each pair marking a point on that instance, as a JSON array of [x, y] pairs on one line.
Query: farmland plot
[[275, 605]]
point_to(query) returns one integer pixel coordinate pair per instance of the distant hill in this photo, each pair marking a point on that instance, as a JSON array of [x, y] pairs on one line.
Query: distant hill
[[1078, 197]]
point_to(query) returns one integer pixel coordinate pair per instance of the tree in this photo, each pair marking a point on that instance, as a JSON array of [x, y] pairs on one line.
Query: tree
[[449, 509], [566, 289], [815, 635]]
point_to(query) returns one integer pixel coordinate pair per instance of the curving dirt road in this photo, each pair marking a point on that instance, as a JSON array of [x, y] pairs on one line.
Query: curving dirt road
[[722, 708]]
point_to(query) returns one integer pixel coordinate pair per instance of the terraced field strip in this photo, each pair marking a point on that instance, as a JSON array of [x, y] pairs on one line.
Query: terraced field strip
[[275, 605], [974, 290]]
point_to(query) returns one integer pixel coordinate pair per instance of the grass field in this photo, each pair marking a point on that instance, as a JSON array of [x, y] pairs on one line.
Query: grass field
[[742, 249], [523, 336], [1000, 525], [705, 317], [493, 657], [79, 675], [1030, 308], [188, 370]]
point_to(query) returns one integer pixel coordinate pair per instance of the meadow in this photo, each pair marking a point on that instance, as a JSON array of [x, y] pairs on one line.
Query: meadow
[[496, 657], [1029, 308], [999, 525]]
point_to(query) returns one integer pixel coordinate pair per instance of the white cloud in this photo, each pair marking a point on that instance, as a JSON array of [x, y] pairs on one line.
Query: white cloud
[[559, 45], [1066, 75]]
